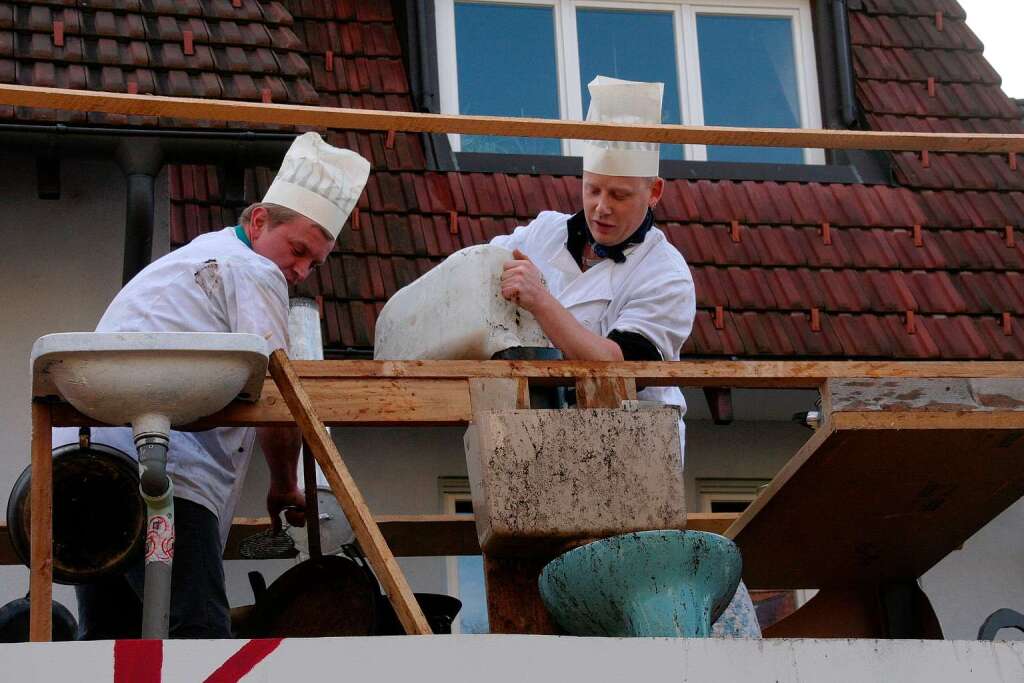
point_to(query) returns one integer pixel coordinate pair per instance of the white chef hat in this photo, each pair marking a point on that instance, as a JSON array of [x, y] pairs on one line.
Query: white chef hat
[[617, 101], [320, 181]]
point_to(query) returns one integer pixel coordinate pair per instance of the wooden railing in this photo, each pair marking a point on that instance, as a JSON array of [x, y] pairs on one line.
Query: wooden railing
[[355, 393]]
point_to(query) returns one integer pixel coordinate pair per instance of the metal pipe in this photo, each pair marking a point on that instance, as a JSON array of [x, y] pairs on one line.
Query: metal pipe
[[306, 343], [844, 64], [138, 233], [140, 160], [158, 492]]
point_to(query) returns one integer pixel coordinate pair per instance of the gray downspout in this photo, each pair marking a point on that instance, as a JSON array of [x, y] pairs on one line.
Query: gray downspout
[[844, 64], [140, 160]]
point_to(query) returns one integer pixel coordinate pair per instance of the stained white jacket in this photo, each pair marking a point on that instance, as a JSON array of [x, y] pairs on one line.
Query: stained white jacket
[[651, 293], [213, 284]]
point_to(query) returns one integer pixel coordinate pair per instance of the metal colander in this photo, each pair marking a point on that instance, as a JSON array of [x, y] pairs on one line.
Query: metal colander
[[269, 544]]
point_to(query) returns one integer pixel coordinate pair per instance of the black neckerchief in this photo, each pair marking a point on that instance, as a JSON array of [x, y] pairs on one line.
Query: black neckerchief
[[579, 236]]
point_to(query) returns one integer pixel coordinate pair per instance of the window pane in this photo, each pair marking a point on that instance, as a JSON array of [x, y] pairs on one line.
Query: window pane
[[748, 78], [507, 67], [635, 46]]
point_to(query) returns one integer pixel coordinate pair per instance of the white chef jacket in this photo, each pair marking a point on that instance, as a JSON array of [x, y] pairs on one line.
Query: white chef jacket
[[651, 293], [216, 283]]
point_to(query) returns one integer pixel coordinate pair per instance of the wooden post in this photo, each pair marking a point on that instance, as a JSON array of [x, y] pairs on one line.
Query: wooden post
[[41, 506], [344, 486], [312, 503], [604, 392], [513, 598]]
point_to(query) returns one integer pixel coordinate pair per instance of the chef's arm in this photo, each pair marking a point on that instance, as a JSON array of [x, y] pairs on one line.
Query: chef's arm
[[565, 332], [280, 446]]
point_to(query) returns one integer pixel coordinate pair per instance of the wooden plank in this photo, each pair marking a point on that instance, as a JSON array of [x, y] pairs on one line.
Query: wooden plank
[[937, 420], [899, 610], [406, 535], [877, 496], [430, 535], [352, 503], [513, 598], [436, 392], [604, 392], [410, 535], [854, 612], [749, 373], [340, 402], [498, 394], [714, 522], [41, 505], [361, 119]]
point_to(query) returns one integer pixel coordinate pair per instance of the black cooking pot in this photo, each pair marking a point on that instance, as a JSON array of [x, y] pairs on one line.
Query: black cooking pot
[[322, 596], [330, 596], [99, 517], [14, 622], [440, 611]]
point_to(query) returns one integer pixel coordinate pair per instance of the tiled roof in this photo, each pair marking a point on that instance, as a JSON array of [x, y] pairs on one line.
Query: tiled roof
[[230, 49], [930, 268]]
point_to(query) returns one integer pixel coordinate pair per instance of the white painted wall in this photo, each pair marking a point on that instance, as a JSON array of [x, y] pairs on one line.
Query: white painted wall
[[60, 262]]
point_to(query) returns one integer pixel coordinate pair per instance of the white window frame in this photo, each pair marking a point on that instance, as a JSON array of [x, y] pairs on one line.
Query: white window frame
[[684, 13], [727, 490], [447, 65]]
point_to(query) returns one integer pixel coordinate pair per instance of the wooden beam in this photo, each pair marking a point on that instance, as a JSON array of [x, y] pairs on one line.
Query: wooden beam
[[340, 401], [349, 497], [604, 392], [367, 392], [899, 475], [794, 374], [41, 506], [361, 119], [407, 535]]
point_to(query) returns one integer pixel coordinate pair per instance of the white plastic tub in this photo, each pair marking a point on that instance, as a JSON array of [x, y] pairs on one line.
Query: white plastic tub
[[455, 311]]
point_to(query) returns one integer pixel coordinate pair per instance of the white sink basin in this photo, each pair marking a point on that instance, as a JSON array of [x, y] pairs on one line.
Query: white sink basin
[[150, 380]]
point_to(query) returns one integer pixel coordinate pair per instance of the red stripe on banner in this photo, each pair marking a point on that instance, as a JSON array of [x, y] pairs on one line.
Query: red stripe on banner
[[243, 661], [138, 661]]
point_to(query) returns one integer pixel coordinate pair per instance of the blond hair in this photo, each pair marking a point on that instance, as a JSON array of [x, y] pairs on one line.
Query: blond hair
[[276, 214]]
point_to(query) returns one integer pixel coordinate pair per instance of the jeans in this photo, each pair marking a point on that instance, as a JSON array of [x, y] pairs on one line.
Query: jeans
[[112, 608]]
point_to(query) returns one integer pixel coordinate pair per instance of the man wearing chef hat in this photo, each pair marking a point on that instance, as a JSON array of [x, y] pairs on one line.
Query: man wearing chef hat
[[233, 280], [605, 283]]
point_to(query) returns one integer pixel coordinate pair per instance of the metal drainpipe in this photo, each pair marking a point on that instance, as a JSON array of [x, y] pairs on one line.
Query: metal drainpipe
[[141, 153], [140, 160], [844, 64]]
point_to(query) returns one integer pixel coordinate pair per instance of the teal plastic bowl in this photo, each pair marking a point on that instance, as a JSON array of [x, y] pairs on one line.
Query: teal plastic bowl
[[649, 583]]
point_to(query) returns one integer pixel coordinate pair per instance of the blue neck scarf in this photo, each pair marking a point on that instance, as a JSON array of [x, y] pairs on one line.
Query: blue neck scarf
[[240, 232], [579, 235]]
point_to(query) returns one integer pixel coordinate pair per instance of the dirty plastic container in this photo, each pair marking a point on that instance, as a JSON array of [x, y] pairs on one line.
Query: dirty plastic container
[[454, 312]]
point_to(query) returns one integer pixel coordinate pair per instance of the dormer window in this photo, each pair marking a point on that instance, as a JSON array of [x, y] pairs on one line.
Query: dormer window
[[747, 63]]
